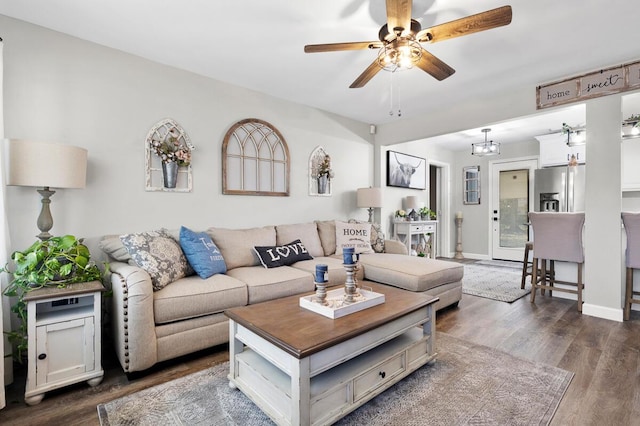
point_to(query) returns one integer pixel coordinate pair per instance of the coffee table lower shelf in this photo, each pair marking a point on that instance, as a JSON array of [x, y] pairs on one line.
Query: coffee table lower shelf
[[327, 385]]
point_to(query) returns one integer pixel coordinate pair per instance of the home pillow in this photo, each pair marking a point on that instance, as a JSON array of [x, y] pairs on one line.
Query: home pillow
[[202, 254], [307, 233], [287, 254], [377, 236], [356, 235], [159, 254]]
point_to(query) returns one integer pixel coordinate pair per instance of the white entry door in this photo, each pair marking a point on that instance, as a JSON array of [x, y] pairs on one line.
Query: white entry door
[[511, 200]]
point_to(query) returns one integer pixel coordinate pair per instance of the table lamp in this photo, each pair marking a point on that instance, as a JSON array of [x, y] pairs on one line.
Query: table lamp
[[46, 165], [369, 198], [411, 205]]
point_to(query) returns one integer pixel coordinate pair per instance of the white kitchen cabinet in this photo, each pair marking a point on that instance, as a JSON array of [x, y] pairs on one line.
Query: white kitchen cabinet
[[554, 150], [64, 345], [630, 170]]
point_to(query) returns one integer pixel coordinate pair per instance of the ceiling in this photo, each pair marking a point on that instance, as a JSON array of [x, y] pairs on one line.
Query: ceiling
[[259, 44]]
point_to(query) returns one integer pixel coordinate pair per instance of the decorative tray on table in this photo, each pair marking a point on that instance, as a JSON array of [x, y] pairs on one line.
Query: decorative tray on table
[[335, 305]]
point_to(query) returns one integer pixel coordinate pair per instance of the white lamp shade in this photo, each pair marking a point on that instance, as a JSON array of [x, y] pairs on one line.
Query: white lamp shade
[[369, 197], [41, 164], [411, 202]]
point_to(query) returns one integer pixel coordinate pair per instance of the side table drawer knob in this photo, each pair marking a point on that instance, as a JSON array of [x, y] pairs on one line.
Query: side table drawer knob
[[42, 356], [382, 374]]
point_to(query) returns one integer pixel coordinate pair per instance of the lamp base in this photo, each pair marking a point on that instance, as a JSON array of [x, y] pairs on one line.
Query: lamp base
[[370, 214], [45, 220]]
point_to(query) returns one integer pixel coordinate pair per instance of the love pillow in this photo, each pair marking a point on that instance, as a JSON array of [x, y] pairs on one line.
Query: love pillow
[[287, 254]]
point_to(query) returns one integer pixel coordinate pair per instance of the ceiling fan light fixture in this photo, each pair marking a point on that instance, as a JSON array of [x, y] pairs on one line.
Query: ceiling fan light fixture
[[485, 148], [403, 53]]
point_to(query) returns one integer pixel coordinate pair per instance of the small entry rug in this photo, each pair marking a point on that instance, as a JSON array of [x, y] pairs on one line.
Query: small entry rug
[[494, 282], [468, 384]]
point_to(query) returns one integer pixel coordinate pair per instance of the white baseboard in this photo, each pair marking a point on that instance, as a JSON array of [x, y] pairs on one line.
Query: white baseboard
[[613, 314], [474, 256]]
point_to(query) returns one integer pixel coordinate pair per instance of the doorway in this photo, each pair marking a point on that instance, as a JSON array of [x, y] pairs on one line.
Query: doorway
[[511, 200], [439, 201]]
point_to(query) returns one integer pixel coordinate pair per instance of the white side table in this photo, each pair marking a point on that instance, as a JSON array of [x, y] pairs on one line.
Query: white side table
[[64, 338], [422, 230]]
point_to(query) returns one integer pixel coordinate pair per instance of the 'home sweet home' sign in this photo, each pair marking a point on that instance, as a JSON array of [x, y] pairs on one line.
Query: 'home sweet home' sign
[[619, 78]]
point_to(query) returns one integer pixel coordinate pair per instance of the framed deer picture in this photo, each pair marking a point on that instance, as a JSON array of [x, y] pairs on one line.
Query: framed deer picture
[[406, 171]]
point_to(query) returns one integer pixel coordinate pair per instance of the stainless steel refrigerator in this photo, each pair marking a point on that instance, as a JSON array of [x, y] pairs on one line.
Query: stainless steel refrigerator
[[559, 189]]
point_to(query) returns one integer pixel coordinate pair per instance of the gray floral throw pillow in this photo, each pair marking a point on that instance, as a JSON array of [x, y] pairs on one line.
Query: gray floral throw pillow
[[157, 253]]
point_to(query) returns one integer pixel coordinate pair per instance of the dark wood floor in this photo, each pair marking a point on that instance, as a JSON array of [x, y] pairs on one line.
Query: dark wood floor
[[604, 355]]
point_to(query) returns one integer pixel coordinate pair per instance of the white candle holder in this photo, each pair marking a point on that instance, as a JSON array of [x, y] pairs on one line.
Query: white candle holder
[[321, 294], [350, 284]]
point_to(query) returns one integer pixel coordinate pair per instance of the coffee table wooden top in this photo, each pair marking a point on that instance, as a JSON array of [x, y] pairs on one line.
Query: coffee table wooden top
[[301, 332]]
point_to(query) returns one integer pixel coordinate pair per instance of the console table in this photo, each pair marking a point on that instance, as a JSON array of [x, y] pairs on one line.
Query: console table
[[302, 368], [419, 231]]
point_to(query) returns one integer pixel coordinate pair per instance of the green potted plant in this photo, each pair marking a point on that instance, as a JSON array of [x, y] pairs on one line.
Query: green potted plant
[[427, 214], [55, 262]]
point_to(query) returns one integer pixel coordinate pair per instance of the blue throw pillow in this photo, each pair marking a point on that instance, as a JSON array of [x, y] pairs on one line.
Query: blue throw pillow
[[202, 254]]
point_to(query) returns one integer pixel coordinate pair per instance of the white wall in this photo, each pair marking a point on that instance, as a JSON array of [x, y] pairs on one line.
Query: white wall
[[66, 90], [476, 223]]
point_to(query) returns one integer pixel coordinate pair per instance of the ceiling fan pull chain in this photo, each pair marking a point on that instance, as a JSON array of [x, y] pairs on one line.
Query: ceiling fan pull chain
[[391, 93], [398, 97]]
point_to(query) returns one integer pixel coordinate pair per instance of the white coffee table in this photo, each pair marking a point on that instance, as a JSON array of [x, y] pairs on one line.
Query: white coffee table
[[302, 368]]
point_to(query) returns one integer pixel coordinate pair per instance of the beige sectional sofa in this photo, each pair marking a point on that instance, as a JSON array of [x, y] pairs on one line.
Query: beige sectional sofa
[[187, 315]]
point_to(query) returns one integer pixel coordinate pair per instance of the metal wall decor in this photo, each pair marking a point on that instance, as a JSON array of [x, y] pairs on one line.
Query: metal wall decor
[[320, 173], [255, 160], [167, 131]]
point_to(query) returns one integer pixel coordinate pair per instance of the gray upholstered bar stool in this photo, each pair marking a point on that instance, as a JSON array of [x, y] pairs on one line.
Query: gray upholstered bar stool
[[556, 236], [631, 223]]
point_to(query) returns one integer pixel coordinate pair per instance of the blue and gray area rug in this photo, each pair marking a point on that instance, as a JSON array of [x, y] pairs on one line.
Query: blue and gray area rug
[[495, 279]]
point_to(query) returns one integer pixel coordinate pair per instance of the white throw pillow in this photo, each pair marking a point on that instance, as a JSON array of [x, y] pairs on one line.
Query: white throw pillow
[[356, 235]]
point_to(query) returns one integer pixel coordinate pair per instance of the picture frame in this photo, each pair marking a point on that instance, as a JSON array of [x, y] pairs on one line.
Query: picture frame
[[406, 171]]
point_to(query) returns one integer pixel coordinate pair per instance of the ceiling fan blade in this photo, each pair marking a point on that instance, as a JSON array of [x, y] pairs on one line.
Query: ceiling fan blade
[[335, 47], [471, 24], [398, 15], [434, 66], [366, 75]]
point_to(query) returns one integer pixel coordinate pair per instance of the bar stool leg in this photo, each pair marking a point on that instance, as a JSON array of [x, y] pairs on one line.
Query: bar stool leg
[[552, 275], [628, 294], [580, 287], [534, 279], [525, 265]]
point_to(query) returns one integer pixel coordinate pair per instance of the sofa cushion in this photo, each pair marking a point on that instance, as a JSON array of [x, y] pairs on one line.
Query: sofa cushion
[[112, 245], [337, 273], [307, 233], [202, 254], [410, 272], [282, 255], [268, 284], [236, 245], [356, 235], [327, 234], [192, 297], [159, 254]]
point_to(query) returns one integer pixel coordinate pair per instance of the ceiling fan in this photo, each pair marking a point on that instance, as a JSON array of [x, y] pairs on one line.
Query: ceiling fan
[[399, 40]]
